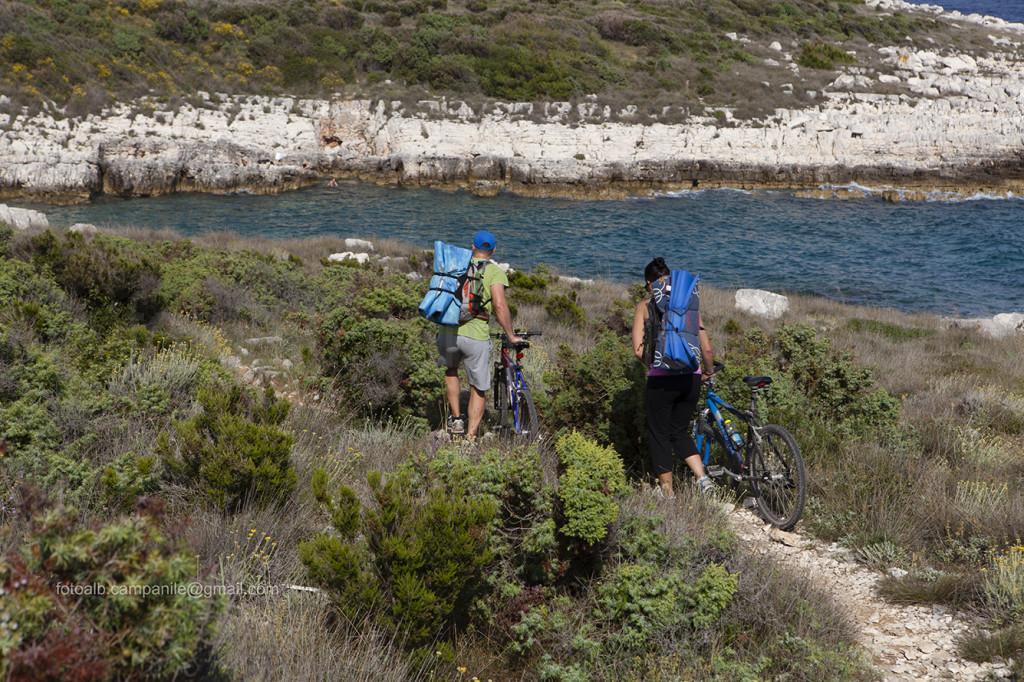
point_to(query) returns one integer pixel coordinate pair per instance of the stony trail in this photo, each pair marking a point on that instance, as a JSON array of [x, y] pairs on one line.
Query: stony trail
[[905, 642]]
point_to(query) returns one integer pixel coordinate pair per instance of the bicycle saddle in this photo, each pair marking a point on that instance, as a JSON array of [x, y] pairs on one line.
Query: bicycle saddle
[[757, 382], [521, 345]]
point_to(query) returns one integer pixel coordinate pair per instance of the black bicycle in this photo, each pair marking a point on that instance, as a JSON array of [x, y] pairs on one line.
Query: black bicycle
[[768, 458], [513, 399]]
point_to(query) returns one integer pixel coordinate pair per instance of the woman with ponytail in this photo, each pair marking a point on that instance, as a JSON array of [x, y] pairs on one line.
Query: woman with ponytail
[[671, 395]]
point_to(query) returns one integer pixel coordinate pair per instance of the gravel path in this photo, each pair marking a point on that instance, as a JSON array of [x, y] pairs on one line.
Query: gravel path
[[905, 642]]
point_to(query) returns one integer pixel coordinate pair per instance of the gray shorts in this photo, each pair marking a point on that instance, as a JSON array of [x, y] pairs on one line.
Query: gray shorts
[[473, 354]]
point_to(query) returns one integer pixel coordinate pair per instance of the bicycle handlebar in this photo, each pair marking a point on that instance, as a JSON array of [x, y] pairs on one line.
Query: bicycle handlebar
[[521, 345], [519, 332]]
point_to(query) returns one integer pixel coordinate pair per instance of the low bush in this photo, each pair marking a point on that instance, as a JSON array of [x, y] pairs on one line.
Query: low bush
[[821, 55], [101, 601], [233, 451], [372, 343], [591, 477], [601, 394], [115, 282], [564, 309], [417, 560]]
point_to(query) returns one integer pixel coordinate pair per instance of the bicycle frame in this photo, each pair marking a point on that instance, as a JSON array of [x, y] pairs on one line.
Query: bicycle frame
[[716, 407], [510, 367]]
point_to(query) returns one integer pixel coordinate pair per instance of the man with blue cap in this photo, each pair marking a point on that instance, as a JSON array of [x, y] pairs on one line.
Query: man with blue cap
[[470, 343]]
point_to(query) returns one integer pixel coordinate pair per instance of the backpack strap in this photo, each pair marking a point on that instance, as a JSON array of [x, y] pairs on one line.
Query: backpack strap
[[651, 330]]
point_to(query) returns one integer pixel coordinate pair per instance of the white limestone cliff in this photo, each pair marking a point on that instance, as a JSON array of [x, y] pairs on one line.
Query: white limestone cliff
[[958, 123]]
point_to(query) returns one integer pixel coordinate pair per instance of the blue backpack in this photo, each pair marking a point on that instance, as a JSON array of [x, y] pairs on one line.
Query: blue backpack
[[443, 303], [673, 323], [456, 293]]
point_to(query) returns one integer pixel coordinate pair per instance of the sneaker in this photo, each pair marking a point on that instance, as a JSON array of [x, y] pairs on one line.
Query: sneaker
[[456, 426], [706, 485]]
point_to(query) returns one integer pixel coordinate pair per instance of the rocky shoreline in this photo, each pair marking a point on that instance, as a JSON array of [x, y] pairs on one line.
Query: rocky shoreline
[[927, 123]]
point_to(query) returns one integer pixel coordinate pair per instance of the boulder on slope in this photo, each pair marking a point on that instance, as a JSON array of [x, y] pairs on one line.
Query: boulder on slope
[[761, 303]]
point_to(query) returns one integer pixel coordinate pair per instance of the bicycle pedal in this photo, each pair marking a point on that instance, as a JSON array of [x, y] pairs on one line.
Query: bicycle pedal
[[715, 470]]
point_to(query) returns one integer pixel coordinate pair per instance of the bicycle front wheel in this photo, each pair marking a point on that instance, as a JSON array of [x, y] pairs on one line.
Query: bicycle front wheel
[[780, 482], [525, 421]]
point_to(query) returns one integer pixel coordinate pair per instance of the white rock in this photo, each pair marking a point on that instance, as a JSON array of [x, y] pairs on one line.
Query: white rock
[[352, 243], [22, 219], [999, 326], [264, 341], [775, 46], [360, 258], [413, 276], [85, 229], [761, 303], [574, 280]]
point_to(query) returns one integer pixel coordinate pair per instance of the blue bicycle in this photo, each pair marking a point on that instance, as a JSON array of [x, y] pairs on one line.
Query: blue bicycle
[[767, 457], [512, 397]]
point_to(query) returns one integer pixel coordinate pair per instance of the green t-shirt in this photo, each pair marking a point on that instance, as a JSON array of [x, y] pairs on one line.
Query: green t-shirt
[[478, 329]]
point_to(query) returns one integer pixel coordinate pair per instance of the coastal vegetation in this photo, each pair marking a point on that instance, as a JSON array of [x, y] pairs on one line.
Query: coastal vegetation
[[246, 414], [86, 54]]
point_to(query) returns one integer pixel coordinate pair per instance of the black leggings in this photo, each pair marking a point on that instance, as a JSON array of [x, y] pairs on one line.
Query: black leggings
[[671, 400]]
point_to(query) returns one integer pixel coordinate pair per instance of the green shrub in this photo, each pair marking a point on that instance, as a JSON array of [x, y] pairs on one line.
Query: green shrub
[[563, 309], [601, 394], [816, 390], [527, 289], [128, 478], [520, 280], [100, 601], [592, 477], [524, 529], [427, 548], [640, 601], [890, 331], [820, 55], [840, 391], [233, 450], [6, 234], [380, 354], [115, 282]]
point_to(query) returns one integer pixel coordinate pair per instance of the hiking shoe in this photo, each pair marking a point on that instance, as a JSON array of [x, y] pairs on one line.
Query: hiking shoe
[[456, 426], [706, 485]]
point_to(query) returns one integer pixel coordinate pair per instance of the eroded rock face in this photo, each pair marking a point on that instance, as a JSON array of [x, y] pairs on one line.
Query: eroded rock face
[[159, 167]]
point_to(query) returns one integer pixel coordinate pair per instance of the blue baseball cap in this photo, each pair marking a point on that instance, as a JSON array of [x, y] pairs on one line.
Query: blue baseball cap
[[484, 240]]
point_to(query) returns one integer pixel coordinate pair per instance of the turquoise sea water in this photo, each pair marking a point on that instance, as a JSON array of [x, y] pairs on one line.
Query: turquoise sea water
[[956, 258]]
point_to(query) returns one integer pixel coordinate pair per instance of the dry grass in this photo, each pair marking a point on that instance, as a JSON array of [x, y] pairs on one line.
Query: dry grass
[[296, 638]]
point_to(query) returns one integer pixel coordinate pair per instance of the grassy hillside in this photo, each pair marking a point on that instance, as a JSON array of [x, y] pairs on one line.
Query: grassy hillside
[[651, 53], [265, 414]]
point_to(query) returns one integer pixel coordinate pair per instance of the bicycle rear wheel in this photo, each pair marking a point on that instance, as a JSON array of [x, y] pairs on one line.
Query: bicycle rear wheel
[[780, 482], [503, 401]]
